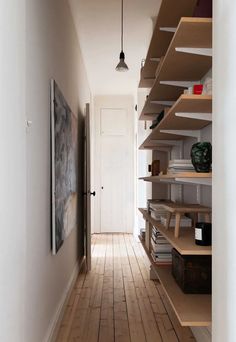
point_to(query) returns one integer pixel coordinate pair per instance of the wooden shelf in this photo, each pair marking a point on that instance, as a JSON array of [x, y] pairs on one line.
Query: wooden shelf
[[162, 38], [152, 111], [185, 244], [186, 105], [180, 66], [183, 177], [191, 310]]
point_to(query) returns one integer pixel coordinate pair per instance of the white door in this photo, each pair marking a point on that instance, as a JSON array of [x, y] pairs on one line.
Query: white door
[[87, 190], [115, 168]]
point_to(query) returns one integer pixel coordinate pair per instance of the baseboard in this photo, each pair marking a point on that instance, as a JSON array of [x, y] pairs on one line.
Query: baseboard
[[57, 318], [201, 334]]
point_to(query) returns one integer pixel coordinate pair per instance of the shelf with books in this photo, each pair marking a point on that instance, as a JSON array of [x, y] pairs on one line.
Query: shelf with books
[[185, 244], [191, 310]]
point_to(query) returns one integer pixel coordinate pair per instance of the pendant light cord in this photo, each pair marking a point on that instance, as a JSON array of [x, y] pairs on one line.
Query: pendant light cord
[[122, 24]]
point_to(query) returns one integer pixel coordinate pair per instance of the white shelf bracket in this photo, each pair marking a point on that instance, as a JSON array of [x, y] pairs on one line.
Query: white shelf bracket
[[201, 181], [164, 103], [186, 133], [182, 84], [168, 29], [196, 116], [195, 51]]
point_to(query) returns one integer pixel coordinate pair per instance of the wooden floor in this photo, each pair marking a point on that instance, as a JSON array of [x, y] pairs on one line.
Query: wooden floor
[[117, 301]]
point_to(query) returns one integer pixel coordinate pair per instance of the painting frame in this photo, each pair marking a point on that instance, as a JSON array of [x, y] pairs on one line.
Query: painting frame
[[64, 168]]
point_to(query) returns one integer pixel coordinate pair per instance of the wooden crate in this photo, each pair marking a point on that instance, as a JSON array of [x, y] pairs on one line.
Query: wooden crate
[[192, 272]]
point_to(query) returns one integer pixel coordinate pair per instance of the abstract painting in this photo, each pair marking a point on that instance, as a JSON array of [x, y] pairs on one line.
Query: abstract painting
[[64, 167]]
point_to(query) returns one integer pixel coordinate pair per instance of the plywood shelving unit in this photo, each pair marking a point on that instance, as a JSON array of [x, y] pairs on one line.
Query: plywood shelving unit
[[180, 66], [187, 59], [167, 21]]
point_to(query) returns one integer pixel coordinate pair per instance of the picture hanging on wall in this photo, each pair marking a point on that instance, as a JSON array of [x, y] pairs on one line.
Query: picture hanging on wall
[[64, 168]]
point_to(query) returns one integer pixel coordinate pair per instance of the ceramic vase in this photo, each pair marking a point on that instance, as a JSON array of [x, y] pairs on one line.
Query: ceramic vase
[[201, 156]]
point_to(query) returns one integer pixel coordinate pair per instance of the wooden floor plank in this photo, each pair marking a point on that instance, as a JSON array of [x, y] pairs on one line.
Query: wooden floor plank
[[117, 301], [159, 313]]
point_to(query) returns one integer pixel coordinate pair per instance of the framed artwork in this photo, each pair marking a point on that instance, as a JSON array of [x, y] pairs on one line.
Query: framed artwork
[[64, 168]]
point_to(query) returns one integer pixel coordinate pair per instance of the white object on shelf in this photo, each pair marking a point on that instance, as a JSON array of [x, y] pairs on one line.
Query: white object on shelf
[[185, 221], [207, 86]]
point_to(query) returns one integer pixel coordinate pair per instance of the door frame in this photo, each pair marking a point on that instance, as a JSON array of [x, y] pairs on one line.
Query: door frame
[[113, 102]]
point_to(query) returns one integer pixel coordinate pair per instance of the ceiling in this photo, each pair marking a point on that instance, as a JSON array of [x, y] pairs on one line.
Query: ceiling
[[98, 26]]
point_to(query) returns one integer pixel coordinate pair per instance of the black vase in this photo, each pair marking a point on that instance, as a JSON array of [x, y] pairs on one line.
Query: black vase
[[201, 156]]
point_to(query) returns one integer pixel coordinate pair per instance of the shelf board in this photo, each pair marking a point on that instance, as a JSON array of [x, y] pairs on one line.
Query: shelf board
[[179, 66], [185, 244], [183, 177], [192, 310], [161, 39], [185, 104], [147, 82]]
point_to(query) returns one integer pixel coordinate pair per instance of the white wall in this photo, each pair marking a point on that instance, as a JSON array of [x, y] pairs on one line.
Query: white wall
[[224, 180], [115, 101], [12, 170], [52, 51]]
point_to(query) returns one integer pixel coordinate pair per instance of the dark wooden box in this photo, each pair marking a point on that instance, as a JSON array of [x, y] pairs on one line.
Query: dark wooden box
[[192, 272]]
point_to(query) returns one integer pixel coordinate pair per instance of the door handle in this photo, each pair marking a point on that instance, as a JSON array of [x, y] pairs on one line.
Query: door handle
[[92, 193]]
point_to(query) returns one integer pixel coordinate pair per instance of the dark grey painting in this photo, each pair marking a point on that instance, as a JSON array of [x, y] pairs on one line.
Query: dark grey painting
[[64, 134]]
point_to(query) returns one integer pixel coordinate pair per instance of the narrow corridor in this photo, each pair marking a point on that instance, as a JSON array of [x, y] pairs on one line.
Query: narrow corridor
[[117, 301]]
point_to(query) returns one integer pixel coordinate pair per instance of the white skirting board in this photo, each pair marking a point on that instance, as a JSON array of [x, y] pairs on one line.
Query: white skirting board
[[57, 318], [202, 334]]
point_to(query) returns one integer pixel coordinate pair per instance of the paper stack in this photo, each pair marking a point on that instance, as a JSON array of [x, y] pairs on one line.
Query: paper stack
[[161, 249], [180, 165]]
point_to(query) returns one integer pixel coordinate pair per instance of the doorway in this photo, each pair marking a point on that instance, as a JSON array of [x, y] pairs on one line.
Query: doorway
[[114, 165]]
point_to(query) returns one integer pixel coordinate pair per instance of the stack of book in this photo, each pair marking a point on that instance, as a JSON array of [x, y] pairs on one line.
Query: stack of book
[[156, 210], [185, 221], [161, 249], [180, 165]]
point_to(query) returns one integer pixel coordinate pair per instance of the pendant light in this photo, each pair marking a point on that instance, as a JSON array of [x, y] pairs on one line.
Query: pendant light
[[122, 66]]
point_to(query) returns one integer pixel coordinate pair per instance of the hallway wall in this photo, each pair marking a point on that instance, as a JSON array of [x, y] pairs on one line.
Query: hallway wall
[[52, 51], [12, 170]]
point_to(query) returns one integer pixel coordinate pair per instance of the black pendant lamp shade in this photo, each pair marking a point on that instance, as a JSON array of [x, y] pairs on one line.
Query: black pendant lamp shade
[[122, 66]]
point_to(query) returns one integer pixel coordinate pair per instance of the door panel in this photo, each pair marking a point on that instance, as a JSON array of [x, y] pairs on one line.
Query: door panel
[[114, 170]]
